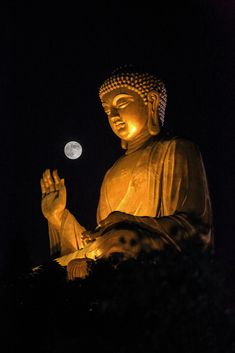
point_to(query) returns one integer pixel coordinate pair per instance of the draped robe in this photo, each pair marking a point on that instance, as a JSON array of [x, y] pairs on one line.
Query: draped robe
[[162, 184]]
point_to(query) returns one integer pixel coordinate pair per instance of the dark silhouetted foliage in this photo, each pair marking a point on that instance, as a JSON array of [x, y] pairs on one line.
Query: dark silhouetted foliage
[[159, 302]]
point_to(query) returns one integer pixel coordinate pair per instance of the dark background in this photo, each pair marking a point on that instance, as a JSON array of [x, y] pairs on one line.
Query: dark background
[[53, 60]]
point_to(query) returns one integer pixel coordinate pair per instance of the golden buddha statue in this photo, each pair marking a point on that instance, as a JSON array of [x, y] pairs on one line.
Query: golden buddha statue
[[159, 184]]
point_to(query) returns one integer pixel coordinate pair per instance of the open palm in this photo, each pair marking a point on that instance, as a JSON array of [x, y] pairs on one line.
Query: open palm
[[53, 196]]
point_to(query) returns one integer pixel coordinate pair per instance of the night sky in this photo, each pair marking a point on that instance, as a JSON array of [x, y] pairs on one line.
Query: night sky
[[53, 61]]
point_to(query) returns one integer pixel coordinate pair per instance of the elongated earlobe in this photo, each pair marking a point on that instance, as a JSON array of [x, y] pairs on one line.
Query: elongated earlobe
[[153, 124], [153, 118]]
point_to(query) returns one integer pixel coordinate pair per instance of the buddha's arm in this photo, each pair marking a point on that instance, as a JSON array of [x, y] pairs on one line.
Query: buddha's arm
[[185, 201], [186, 204], [67, 238]]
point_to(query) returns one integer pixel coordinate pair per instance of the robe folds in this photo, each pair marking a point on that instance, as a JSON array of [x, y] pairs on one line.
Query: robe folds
[[162, 186]]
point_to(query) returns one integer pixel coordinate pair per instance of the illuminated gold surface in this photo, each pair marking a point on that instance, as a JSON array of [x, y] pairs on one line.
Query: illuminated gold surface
[[159, 184]]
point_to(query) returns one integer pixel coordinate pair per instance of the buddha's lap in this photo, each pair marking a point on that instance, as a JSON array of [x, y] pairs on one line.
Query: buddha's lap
[[114, 241]]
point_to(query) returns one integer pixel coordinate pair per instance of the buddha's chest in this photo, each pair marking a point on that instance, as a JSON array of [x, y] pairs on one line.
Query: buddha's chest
[[129, 172]]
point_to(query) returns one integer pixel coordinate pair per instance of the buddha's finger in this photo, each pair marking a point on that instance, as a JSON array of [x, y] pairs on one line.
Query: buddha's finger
[[45, 176], [46, 182], [57, 179], [43, 188], [50, 181], [52, 187], [47, 186], [49, 177]]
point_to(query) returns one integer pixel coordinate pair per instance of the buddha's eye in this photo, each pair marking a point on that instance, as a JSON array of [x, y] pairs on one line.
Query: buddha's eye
[[122, 105]]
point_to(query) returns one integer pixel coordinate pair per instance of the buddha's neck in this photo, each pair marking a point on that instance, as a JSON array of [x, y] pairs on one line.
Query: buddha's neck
[[136, 144]]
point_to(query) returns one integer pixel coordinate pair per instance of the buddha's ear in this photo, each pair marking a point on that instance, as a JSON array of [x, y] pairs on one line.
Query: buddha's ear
[[153, 118], [153, 100]]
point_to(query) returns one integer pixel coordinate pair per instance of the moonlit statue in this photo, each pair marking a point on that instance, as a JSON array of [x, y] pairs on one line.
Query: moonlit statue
[[155, 194]]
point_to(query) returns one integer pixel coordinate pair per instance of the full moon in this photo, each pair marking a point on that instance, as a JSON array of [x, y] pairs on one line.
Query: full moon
[[73, 150]]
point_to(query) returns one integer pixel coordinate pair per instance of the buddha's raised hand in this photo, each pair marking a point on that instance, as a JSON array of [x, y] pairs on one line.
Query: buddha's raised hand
[[53, 197]]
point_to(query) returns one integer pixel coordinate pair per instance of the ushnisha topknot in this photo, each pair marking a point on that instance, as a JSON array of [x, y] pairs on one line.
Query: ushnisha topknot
[[139, 82]]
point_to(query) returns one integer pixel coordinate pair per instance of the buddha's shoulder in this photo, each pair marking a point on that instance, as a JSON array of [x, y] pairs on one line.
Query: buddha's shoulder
[[168, 140], [174, 145]]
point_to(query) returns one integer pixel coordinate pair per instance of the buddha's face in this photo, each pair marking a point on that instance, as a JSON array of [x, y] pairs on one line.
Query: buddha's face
[[126, 112]]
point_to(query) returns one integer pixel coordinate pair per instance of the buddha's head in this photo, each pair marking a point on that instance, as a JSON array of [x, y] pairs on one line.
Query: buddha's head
[[134, 102]]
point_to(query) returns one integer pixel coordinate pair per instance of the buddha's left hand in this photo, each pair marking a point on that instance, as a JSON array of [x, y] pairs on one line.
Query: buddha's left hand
[[113, 219]]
